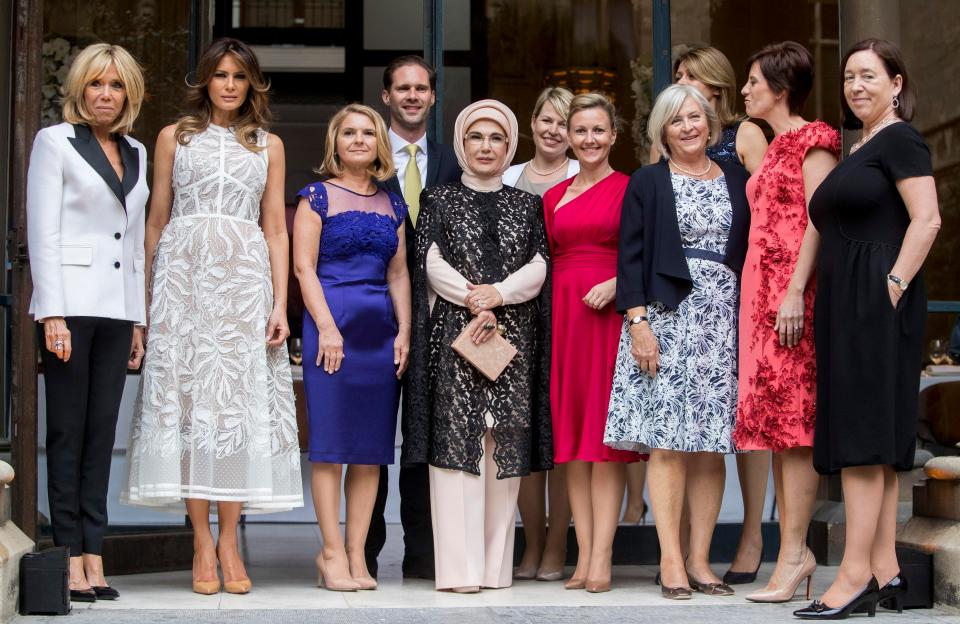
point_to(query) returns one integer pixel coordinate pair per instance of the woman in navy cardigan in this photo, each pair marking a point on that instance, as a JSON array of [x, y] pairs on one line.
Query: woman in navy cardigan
[[683, 239]]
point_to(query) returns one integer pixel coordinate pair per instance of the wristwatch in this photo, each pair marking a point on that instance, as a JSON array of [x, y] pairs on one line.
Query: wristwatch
[[640, 318], [901, 284]]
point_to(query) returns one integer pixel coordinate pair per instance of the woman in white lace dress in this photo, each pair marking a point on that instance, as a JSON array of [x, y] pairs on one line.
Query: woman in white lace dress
[[215, 419]]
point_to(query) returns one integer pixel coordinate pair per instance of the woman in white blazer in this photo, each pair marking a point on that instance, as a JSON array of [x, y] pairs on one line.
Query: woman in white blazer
[[546, 538], [86, 192]]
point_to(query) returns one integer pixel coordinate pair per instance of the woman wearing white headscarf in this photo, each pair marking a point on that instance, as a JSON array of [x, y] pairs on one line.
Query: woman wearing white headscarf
[[482, 256]]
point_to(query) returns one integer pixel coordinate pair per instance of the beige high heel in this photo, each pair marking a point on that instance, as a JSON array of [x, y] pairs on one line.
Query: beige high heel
[[786, 592], [343, 585], [206, 588], [243, 586], [364, 582]]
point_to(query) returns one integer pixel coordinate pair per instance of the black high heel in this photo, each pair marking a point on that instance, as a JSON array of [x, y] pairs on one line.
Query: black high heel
[[891, 594], [864, 601], [741, 578]]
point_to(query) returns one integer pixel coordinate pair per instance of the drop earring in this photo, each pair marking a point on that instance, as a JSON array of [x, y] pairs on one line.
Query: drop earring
[[896, 102]]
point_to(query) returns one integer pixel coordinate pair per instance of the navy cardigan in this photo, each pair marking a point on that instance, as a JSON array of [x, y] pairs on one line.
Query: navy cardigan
[[651, 265]]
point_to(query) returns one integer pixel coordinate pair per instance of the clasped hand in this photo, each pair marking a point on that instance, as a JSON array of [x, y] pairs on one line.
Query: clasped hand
[[481, 297], [482, 327]]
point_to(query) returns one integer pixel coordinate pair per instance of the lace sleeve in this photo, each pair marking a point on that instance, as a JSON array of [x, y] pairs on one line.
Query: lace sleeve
[[316, 194], [399, 206]]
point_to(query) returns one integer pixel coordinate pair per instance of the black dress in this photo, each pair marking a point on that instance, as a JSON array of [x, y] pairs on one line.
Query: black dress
[[868, 353]]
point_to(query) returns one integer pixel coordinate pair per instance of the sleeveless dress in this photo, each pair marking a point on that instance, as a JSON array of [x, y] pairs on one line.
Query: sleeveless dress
[[725, 149], [353, 412], [215, 416], [583, 235], [777, 388], [691, 402], [868, 352]]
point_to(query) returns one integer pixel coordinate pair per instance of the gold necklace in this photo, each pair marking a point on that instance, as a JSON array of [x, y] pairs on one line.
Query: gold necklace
[[890, 119], [693, 174], [543, 175]]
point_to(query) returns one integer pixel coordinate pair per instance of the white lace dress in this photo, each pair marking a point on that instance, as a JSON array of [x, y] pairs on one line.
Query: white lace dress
[[215, 417]]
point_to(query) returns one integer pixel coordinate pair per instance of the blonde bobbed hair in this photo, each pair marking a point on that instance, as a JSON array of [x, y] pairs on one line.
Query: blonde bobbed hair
[[711, 67], [668, 104], [90, 64], [558, 97], [381, 168]]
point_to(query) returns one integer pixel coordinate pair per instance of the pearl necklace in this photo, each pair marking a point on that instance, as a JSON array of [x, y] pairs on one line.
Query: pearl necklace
[[890, 119], [534, 169], [693, 174]]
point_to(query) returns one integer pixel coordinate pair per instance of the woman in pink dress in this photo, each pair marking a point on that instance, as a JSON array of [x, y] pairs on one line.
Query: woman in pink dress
[[582, 216], [777, 375]]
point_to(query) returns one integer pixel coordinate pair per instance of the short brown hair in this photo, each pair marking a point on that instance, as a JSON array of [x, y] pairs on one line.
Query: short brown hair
[[403, 61], [893, 62], [786, 66], [89, 65], [382, 168]]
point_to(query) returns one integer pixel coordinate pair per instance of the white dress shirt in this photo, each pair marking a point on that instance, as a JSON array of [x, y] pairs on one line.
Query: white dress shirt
[[401, 157]]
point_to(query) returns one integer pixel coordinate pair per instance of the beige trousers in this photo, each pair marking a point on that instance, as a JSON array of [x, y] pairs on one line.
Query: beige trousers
[[473, 524]]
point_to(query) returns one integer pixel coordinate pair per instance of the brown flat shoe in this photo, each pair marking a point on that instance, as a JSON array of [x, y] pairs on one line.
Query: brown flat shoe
[[711, 589], [676, 593]]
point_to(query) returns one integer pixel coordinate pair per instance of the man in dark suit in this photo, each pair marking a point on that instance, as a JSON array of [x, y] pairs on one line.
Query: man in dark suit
[[409, 90]]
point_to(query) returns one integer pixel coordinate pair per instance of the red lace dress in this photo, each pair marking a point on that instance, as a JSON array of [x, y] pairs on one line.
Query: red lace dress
[[777, 385]]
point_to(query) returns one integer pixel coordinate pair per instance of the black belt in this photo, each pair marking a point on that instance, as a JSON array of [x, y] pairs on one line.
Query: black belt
[[703, 254]]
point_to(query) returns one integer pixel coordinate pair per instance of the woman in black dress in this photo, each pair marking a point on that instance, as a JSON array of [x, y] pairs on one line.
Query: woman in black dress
[[877, 216]]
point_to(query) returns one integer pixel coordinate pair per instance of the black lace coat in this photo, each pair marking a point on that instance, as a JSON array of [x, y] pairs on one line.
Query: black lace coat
[[486, 237]]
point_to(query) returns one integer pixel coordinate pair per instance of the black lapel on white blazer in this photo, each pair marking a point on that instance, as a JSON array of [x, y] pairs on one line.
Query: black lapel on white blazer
[[131, 166], [86, 145]]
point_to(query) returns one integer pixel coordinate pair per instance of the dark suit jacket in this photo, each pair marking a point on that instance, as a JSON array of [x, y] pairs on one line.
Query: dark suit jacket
[[442, 168], [651, 265]]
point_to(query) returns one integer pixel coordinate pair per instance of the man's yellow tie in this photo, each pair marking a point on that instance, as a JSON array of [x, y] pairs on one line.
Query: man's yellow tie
[[411, 184]]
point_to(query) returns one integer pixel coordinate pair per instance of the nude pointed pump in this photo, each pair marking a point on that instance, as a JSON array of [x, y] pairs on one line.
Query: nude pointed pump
[[243, 586], [343, 585], [786, 592], [206, 588]]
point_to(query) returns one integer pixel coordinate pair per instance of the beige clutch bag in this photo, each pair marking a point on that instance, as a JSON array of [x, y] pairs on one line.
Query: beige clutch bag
[[490, 357]]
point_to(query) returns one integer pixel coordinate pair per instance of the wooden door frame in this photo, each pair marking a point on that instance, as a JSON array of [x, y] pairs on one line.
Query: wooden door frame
[[25, 113]]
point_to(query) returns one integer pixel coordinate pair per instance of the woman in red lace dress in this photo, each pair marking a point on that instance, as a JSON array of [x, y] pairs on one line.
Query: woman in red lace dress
[[777, 375]]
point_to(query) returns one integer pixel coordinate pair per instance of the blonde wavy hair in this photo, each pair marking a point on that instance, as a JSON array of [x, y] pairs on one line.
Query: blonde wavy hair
[[382, 167], [711, 67], [254, 114], [90, 64]]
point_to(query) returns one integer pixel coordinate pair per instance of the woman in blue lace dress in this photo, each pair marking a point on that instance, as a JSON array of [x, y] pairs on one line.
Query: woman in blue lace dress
[[742, 142], [350, 258]]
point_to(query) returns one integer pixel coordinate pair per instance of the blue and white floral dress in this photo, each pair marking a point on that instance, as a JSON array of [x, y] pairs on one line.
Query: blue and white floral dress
[[690, 405]]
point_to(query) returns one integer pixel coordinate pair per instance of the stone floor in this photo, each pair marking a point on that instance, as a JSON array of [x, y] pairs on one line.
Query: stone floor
[[280, 563]]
